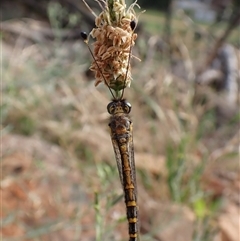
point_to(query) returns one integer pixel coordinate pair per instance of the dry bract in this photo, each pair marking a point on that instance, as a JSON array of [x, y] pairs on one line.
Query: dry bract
[[114, 38]]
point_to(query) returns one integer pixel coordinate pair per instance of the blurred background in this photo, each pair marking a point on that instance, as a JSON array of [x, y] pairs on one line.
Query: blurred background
[[59, 179]]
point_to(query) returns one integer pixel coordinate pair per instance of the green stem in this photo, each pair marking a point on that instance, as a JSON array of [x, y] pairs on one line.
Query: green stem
[[98, 218], [111, 11]]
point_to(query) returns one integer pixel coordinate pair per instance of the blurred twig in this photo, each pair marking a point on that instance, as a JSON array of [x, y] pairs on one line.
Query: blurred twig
[[233, 22], [168, 32]]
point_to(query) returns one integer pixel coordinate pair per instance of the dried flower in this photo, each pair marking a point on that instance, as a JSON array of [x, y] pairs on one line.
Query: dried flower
[[114, 38]]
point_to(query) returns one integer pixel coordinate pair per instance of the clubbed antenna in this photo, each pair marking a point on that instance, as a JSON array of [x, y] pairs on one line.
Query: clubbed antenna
[[133, 26], [84, 36]]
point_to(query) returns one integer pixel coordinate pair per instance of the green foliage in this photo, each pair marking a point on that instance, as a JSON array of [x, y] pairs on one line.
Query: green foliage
[[26, 125], [184, 183], [174, 168], [105, 199], [177, 166], [207, 123], [59, 17]]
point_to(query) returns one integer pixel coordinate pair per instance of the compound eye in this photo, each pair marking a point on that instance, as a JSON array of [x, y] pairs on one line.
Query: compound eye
[[111, 108], [126, 106]]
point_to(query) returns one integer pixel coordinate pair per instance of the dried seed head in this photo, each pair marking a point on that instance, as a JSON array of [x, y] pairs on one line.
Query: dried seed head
[[114, 38]]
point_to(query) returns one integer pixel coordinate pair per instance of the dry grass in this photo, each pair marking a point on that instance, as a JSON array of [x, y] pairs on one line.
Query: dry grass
[[179, 150]]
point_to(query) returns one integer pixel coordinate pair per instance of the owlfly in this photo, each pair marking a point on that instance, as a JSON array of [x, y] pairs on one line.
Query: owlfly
[[122, 140]]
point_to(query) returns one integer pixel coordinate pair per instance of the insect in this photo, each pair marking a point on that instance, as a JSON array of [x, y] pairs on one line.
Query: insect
[[122, 140]]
